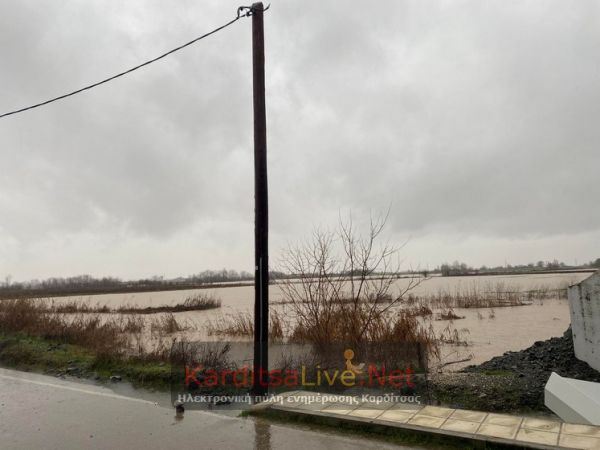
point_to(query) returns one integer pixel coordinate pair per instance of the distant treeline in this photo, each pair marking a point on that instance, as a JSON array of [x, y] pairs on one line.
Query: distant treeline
[[461, 268], [86, 284]]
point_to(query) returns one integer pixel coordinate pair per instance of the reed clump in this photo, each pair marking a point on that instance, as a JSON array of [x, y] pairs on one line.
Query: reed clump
[[241, 324], [488, 295], [31, 318], [448, 315], [107, 336], [167, 324], [197, 302]]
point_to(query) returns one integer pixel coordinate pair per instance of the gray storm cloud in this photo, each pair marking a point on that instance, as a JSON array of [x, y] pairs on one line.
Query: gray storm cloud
[[475, 121]]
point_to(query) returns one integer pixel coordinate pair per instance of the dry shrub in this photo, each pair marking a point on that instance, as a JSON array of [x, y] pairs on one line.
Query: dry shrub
[[110, 337], [453, 336], [277, 326], [418, 311], [74, 307], [131, 324], [196, 302], [91, 331], [344, 291], [241, 324], [400, 328], [167, 324], [488, 295], [201, 300], [449, 315]]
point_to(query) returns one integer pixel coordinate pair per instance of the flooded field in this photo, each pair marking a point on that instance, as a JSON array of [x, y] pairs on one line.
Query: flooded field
[[482, 332]]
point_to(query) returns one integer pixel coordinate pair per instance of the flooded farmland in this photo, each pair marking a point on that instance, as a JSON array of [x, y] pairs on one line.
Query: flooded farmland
[[482, 332]]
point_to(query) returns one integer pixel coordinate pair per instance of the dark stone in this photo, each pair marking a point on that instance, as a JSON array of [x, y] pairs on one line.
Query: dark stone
[[535, 365]]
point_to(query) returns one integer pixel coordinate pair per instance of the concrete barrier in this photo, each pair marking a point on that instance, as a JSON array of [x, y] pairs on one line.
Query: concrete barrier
[[572, 400], [584, 305]]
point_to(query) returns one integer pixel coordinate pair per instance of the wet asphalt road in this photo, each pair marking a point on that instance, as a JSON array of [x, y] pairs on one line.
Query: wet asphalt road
[[43, 412]]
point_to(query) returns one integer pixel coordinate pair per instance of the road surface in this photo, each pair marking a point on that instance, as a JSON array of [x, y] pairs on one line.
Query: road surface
[[43, 412]]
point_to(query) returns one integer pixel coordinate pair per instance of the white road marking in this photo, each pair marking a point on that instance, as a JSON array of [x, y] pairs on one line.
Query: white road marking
[[74, 389], [107, 395]]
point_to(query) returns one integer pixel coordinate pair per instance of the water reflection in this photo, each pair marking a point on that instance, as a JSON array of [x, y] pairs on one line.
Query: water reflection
[[262, 435]]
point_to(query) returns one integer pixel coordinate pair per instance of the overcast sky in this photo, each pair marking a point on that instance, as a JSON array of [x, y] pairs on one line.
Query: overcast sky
[[476, 121]]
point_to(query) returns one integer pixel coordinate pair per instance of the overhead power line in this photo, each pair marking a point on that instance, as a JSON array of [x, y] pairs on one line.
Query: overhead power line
[[243, 11]]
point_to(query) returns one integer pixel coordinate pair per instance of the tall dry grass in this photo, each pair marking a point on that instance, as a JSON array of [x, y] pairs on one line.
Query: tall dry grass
[[488, 295], [341, 328], [197, 302], [200, 301], [167, 324], [241, 324], [109, 336]]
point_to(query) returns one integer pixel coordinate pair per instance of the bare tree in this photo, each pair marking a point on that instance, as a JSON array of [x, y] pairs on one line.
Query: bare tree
[[345, 284]]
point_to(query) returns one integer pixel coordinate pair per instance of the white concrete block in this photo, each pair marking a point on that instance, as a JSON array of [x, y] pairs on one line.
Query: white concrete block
[[574, 401], [584, 306]]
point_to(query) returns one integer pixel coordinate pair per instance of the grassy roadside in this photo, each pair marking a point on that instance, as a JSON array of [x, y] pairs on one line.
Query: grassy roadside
[[496, 391], [47, 356], [90, 345]]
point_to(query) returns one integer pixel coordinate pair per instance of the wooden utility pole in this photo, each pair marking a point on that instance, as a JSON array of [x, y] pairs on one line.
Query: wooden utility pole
[[261, 208]]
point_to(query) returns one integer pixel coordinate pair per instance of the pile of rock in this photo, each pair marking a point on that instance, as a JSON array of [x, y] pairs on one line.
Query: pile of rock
[[534, 365]]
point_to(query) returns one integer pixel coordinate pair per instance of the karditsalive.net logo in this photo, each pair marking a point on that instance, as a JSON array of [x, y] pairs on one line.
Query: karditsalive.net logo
[[352, 375]]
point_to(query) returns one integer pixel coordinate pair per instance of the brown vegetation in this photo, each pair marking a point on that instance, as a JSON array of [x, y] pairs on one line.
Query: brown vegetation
[[241, 324], [454, 336], [197, 302], [108, 336], [345, 294], [484, 296], [449, 315], [167, 324]]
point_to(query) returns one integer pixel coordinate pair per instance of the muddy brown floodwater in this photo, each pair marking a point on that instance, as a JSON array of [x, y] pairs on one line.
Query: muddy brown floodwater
[[488, 332]]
